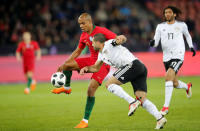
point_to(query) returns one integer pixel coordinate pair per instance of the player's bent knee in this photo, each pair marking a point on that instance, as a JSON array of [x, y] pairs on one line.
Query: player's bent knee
[[175, 84], [91, 90], [108, 84]]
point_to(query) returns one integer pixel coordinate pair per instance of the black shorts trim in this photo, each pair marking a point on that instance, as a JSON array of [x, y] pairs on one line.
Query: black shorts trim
[[175, 64], [136, 73]]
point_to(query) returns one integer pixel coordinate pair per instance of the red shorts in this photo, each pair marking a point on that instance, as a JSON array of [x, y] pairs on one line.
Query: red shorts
[[98, 76], [28, 67]]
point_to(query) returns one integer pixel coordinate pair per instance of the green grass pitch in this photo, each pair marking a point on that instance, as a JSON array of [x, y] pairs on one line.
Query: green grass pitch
[[43, 111]]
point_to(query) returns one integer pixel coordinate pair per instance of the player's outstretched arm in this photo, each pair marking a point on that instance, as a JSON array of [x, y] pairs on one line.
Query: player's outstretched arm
[[93, 68]]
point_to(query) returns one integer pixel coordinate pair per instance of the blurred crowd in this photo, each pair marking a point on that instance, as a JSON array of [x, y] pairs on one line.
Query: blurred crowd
[[53, 23]]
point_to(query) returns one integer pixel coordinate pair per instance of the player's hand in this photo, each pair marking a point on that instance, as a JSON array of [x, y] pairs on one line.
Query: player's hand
[[121, 39], [83, 70], [19, 59], [193, 51], [60, 68], [38, 58], [152, 43]]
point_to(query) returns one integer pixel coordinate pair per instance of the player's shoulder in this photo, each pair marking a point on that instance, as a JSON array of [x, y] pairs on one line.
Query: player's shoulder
[[108, 43], [34, 42], [180, 22], [163, 24], [83, 35]]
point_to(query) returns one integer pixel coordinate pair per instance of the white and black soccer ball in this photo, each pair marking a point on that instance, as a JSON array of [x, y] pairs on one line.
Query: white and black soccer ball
[[58, 79]]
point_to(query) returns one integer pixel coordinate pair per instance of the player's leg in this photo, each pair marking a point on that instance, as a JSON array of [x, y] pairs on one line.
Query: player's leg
[[93, 86], [29, 76], [113, 86], [171, 81], [182, 85], [96, 80], [67, 68], [169, 78], [140, 88]]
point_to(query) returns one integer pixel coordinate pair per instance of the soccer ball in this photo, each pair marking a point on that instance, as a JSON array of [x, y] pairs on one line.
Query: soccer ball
[[58, 79]]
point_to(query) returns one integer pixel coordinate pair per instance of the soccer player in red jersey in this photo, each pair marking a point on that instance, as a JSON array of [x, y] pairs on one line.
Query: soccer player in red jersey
[[27, 48], [74, 63]]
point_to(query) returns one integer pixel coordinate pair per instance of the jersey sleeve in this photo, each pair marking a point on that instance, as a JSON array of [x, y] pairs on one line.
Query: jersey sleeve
[[157, 36], [108, 34], [36, 45], [19, 48], [187, 35], [81, 43]]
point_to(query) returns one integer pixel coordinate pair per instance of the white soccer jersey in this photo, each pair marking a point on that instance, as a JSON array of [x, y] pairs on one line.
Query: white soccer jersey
[[116, 56], [172, 42]]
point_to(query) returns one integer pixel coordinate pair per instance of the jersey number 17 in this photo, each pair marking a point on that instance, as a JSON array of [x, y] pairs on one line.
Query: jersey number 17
[[170, 36]]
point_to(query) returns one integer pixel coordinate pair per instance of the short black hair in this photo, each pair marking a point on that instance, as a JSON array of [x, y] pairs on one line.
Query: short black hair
[[99, 37], [175, 10]]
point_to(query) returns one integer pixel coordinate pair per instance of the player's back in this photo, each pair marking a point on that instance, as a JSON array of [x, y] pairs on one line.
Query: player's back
[[116, 56]]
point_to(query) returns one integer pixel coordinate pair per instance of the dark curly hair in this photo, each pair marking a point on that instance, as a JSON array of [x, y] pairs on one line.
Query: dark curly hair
[[175, 10]]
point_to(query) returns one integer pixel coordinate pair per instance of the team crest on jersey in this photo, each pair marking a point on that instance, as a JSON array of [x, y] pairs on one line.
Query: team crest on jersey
[[177, 28], [91, 38]]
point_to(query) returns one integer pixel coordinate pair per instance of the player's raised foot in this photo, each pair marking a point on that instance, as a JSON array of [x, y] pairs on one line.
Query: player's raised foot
[[133, 106], [189, 90], [61, 90], [82, 124], [160, 123], [164, 110], [26, 91], [33, 85]]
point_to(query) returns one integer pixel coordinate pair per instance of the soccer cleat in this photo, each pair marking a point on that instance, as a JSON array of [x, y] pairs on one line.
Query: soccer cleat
[[133, 106], [61, 90], [164, 111], [33, 85], [189, 90], [26, 91], [82, 124], [160, 123]]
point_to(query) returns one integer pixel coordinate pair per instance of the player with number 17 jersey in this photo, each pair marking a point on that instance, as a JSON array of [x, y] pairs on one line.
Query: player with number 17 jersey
[[172, 42]]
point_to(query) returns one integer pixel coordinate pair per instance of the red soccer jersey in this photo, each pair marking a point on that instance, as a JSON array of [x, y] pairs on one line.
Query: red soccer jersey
[[28, 50], [86, 39]]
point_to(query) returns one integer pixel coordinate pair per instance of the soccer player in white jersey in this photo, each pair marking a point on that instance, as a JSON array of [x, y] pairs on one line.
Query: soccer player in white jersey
[[170, 33], [130, 69]]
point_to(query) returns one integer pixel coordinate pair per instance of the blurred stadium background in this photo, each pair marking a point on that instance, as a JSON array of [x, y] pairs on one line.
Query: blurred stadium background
[[53, 23]]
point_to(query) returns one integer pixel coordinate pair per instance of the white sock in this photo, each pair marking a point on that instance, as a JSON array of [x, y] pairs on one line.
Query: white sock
[[85, 120], [182, 85], [66, 88], [118, 91], [151, 108], [168, 92]]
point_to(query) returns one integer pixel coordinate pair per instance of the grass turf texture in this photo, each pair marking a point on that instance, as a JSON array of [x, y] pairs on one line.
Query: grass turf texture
[[41, 110]]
